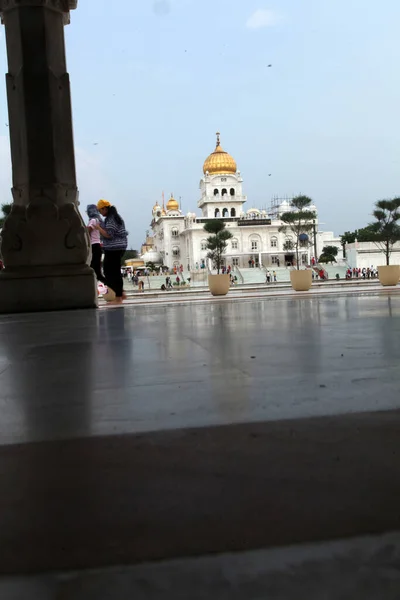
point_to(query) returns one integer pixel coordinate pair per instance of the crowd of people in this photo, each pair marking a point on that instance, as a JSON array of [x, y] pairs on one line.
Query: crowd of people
[[364, 273]]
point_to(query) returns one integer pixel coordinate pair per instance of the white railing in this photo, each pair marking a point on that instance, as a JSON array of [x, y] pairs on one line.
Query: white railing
[[237, 270]]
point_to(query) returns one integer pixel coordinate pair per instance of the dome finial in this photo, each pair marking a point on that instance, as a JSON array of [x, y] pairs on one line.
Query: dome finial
[[172, 204], [219, 161]]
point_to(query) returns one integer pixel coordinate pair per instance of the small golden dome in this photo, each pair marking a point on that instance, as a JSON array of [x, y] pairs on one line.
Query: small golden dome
[[219, 162], [172, 204]]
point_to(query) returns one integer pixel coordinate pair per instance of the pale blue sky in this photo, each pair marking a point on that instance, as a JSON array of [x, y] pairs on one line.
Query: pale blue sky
[[152, 82]]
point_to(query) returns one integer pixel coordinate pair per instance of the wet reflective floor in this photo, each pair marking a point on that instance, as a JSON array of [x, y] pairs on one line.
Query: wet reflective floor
[[139, 369], [155, 432]]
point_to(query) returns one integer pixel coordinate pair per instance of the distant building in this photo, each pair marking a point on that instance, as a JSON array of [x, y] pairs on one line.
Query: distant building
[[367, 254], [148, 245], [181, 239]]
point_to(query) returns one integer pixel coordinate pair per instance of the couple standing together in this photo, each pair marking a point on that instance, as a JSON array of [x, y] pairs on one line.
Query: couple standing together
[[112, 235]]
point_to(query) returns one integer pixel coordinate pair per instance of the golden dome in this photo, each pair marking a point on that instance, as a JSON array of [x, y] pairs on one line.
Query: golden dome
[[172, 204], [219, 162]]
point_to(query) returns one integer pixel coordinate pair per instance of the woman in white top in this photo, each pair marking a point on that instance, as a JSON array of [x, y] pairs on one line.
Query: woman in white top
[[94, 221]]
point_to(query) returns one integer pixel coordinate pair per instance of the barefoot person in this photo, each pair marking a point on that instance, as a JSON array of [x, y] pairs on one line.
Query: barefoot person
[[115, 241], [94, 221]]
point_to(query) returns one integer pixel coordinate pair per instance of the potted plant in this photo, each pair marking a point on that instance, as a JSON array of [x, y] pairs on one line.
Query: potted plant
[[386, 232], [299, 221], [216, 246]]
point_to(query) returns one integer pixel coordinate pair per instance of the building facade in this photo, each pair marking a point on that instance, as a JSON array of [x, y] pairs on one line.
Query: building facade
[[369, 254], [181, 239]]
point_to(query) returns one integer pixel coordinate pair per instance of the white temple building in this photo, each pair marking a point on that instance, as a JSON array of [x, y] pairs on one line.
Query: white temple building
[[181, 239]]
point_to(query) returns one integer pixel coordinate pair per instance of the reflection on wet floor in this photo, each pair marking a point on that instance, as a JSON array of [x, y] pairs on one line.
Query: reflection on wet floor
[[163, 367]]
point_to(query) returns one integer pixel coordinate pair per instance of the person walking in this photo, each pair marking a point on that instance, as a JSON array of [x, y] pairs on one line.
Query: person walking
[[94, 234], [274, 275], [115, 242]]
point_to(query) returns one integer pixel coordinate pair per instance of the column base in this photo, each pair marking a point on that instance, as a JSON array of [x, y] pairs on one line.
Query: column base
[[37, 291]]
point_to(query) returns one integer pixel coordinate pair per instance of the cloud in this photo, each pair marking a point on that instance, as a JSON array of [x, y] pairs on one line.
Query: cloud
[[262, 18]]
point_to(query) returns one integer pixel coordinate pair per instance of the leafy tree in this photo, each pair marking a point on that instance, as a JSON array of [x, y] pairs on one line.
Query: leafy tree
[[365, 234], [288, 246], [151, 266], [217, 241], [329, 254], [130, 254], [348, 237], [299, 221], [386, 228], [5, 209]]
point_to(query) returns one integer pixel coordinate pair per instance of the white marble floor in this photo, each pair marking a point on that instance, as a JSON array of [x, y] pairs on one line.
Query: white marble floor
[[158, 431], [151, 367]]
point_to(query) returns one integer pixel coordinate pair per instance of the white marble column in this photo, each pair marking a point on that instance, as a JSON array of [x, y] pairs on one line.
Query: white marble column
[[44, 243]]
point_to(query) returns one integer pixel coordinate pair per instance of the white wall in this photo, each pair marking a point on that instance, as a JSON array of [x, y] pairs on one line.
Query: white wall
[[194, 235], [365, 254], [327, 238]]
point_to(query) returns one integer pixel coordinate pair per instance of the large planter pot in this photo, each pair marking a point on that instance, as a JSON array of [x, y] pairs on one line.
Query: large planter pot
[[219, 284], [389, 274], [301, 280]]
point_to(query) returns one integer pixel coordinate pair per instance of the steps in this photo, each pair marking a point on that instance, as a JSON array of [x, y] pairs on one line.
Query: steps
[[259, 275]]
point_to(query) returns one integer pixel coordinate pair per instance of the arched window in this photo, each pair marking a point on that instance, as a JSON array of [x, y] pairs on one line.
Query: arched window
[[232, 191], [255, 243], [233, 212], [217, 213], [274, 242], [224, 192], [175, 251], [216, 192], [225, 212], [203, 245], [175, 232], [235, 244]]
